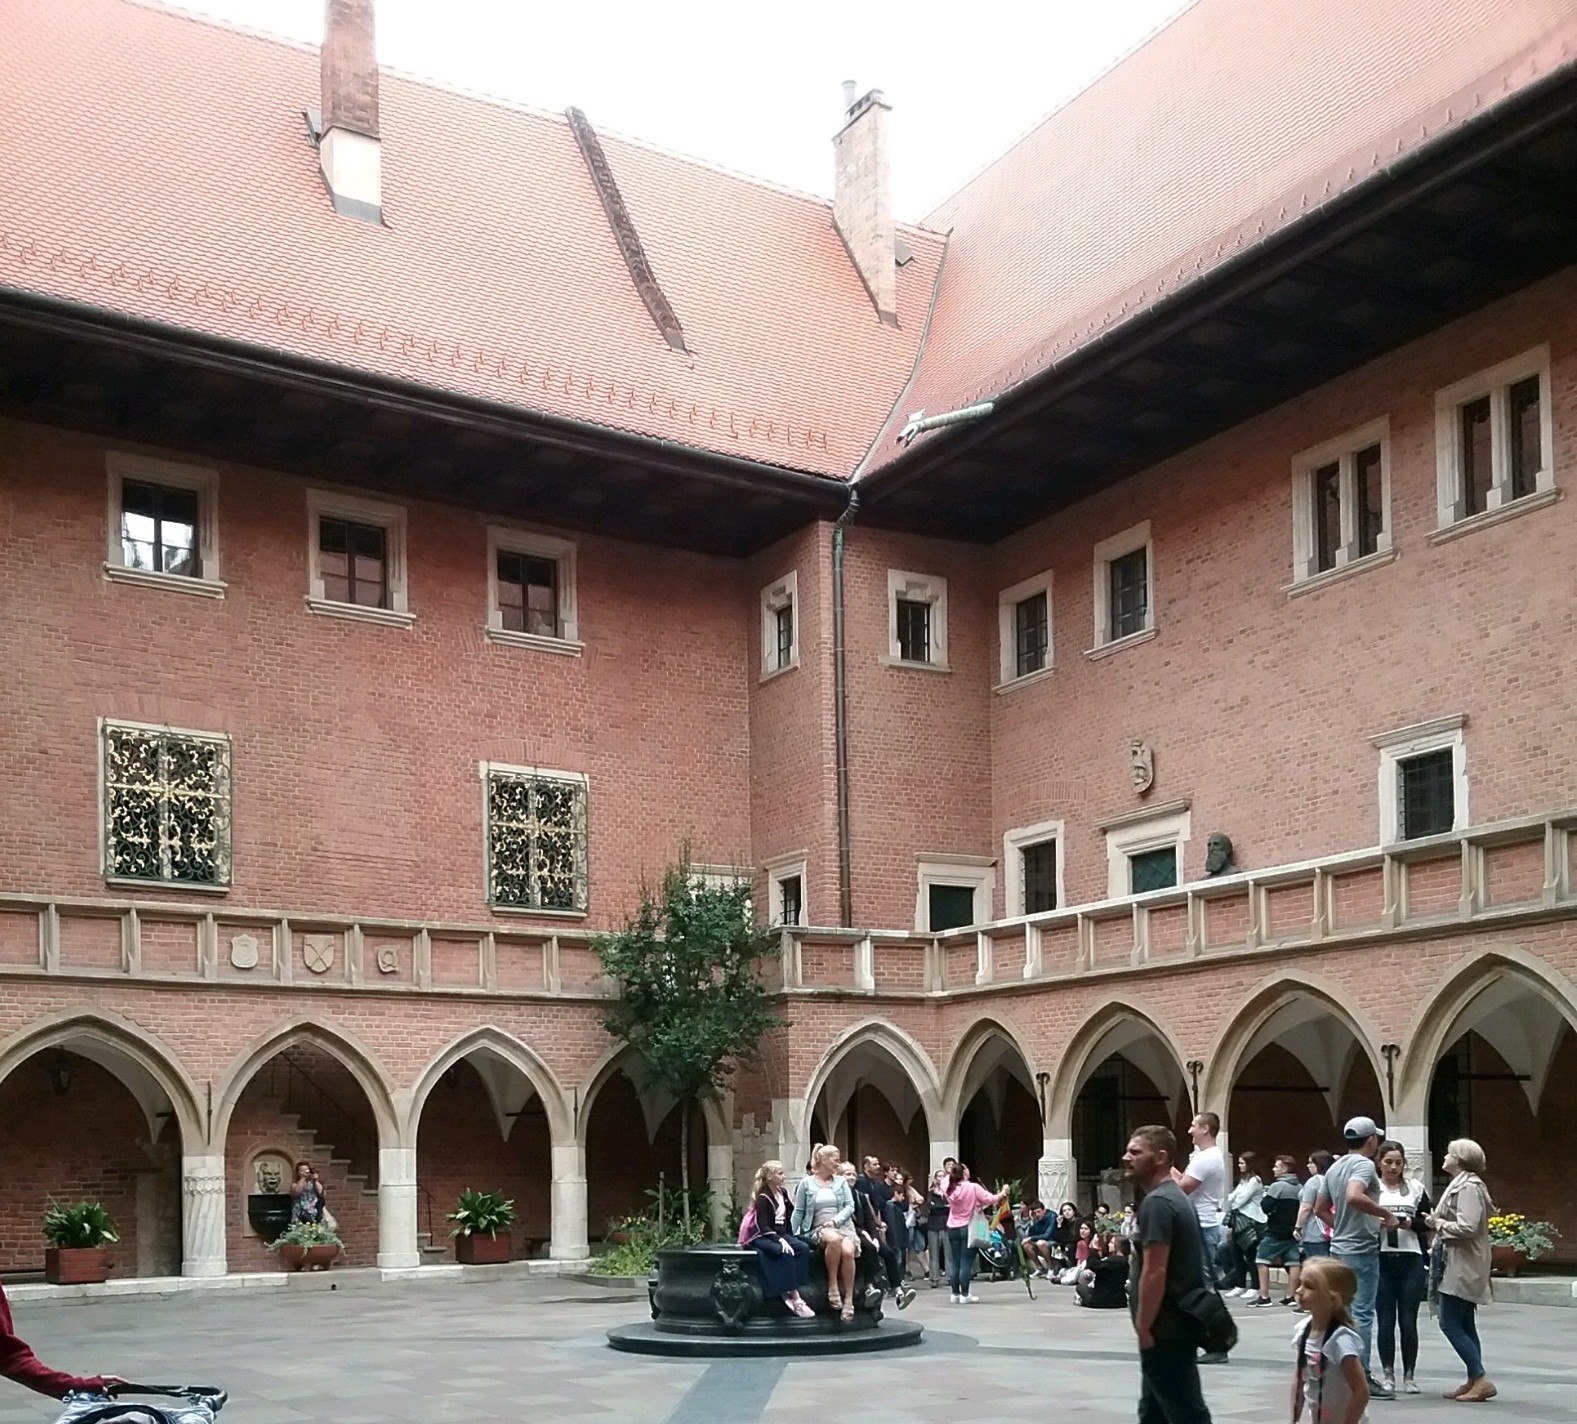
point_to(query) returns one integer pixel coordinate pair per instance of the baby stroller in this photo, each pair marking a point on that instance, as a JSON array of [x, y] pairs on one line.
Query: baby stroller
[[1001, 1258], [191, 1404]]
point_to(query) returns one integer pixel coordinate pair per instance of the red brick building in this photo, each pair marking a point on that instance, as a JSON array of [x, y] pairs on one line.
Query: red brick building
[[422, 515]]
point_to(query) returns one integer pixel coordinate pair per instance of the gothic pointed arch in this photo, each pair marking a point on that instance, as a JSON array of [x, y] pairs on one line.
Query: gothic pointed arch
[[522, 1072], [338, 1044], [1517, 1001], [1307, 1014], [991, 1041], [1118, 1026], [887, 1044], [148, 1070]]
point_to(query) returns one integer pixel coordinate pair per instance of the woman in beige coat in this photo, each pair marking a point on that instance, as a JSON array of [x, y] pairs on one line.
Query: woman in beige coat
[[1461, 1225]]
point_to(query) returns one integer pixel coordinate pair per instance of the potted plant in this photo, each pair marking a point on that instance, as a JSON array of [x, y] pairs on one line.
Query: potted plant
[[307, 1246], [481, 1232], [1514, 1241], [76, 1237]]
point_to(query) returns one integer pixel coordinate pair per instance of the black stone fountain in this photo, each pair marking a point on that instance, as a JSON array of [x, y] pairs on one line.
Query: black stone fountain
[[706, 1302]]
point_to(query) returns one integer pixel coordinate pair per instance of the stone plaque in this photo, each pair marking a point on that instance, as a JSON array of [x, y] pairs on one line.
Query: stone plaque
[[243, 951], [317, 952], [388, 959], [1141, 766]]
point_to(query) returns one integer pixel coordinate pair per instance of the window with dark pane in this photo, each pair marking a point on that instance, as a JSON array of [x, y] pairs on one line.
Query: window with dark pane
[[950, 907], [1130, 594], [1369, 496], [783, 621], [528, 594], [158, 529], [166, 806], [1040, 877], [536, 841], [1527, 439], [1478, 465], [1031, 634], [1327, 516], [914, 631], [353, 562], [1427, 794], [791, 896], [1152, 870]]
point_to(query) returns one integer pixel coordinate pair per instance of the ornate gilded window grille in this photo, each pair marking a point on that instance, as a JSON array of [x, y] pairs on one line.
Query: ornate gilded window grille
[[536, 840], [166, 806]]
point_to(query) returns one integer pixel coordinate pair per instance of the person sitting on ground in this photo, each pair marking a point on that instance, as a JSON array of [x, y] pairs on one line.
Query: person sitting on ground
[[1104, 1282], [1065, 1236], [823, 1216], [1037, 1239], [784, 1260], [1081, 1253], [1279, 1245], [19, 1363]]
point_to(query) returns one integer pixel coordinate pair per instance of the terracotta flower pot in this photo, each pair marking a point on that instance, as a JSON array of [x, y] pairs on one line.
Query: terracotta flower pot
[[1507, 1260], [74, 1265], [477, 1250], [308, 1258]]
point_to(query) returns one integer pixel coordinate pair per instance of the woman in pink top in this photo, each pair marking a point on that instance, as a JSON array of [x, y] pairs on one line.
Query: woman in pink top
[[964, 1198]]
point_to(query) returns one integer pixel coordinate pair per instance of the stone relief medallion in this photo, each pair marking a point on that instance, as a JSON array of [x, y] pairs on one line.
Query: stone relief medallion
[[243, 951], [317, 952], [1141, 766], [388, 959]]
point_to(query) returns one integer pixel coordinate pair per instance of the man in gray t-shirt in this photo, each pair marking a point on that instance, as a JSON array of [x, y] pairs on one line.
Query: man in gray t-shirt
[[1349, 1203], [1312, 1235]]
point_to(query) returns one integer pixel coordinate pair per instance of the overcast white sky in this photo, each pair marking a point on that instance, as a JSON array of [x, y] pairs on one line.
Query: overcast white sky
[[758, 87]]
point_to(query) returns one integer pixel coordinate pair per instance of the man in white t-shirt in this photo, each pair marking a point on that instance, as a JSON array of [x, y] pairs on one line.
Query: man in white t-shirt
[[1204, 1180]]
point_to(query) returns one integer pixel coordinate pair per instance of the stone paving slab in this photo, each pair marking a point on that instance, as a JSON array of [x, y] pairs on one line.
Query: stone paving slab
[[517, 1349]]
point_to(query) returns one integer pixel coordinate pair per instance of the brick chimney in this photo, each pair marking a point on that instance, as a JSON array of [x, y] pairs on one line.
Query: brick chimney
[[861, 206], [348, 151]]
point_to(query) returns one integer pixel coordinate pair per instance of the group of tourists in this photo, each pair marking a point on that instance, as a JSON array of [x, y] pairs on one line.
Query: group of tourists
[[1361, 1243]]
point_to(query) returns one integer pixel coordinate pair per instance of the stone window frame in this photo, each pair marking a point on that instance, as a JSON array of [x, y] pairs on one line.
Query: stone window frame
[[776, 596], [1007, 631], [1341, 451], [392, 519], [976, 872], [1014, 843], [1493, 382], [785, 867], [203, 481], [564, 554], [488, 770], [917, 588], [1106, 553], [226, 858], [1135, 832], [1403, 743]]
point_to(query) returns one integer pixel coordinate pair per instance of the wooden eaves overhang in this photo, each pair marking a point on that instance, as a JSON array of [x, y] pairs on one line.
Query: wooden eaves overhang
[[130, 379], [1479, 213]]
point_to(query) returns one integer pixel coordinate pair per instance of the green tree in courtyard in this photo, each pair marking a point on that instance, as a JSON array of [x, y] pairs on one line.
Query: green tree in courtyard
[[691, 999]]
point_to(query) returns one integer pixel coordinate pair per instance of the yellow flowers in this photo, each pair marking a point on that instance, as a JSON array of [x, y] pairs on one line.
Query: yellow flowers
[[1513, 1229]]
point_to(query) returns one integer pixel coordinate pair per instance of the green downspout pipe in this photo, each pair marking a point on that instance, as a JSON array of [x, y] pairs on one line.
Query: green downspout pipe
[[840, 695]]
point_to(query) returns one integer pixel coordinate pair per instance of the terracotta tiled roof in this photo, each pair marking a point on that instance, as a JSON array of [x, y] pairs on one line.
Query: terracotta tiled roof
[[1229, 124], [158, 164]]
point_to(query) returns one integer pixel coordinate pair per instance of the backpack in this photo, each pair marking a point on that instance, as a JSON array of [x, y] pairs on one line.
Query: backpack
[[747, 1227]]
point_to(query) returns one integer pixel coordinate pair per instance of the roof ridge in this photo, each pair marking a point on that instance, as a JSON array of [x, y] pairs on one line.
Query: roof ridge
[[1184, 6]]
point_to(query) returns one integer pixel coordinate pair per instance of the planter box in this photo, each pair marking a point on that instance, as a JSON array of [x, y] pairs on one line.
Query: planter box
[[74, 1266], [308, 1258], [483, 1250], [1507, 1260]]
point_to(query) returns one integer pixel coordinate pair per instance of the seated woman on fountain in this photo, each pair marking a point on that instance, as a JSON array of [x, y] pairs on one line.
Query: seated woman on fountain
[[824, 1216], [784, 1259]]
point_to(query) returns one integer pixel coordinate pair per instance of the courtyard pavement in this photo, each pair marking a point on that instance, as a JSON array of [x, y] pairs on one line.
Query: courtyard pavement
[[525, 1350]]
